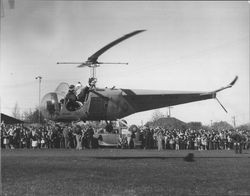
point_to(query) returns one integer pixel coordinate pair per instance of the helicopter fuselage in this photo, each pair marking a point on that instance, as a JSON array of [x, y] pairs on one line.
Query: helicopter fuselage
[[112, 104], [100, 104]]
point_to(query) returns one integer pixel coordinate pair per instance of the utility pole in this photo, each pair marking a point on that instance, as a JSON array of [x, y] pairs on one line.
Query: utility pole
[[234, 121], [169, 111], [39, 97]]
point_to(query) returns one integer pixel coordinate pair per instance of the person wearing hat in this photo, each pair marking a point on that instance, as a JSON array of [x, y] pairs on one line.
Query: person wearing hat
[[83, 94], [92, 82], [90, 134], [71, 98]]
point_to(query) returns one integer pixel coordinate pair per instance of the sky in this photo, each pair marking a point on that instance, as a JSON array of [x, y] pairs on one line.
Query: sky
[[187, 46]]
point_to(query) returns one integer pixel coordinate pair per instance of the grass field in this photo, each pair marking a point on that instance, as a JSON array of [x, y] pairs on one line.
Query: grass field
[[124, 172]]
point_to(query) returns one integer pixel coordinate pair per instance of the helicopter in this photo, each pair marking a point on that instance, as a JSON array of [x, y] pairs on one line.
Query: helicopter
[[111, 104]]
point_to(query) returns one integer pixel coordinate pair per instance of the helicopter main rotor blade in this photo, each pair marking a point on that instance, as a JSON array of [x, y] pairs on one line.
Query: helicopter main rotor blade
[[87, 64], [94, 57], [84, 65], [69, 63]]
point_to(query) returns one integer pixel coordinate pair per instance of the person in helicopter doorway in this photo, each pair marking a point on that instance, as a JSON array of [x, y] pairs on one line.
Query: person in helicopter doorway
[[92, 82], [82, 96], [71, 99], [78, 88]]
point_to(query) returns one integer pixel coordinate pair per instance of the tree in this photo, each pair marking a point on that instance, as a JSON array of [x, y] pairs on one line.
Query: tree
[[33, 116], [194, 125], [222, 125], [26, 115], [169, 123], [244, 127], [157, 114], [16, 111]]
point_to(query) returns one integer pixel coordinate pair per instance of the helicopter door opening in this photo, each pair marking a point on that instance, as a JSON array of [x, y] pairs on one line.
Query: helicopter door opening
[[83, 95], [73, 106], [71, 102]]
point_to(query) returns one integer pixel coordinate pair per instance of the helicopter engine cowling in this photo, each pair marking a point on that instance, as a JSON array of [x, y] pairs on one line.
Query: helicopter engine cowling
[[50, 107]]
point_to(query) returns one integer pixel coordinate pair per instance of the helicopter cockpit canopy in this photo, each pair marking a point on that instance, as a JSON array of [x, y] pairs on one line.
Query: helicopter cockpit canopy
[[62, 90], [50, 105], [63, 95]]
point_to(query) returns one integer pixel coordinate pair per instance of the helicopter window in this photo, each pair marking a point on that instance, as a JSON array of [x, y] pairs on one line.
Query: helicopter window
[[51, 107]]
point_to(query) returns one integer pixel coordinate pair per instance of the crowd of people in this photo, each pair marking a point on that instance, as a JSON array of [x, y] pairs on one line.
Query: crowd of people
[[48, 136], [188, 139], [79, 137]]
